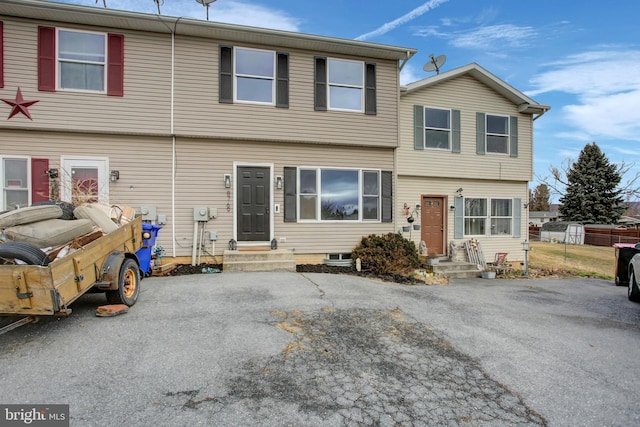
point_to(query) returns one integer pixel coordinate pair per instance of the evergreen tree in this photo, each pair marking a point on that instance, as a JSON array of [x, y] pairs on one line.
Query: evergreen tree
[[539, 199], [591, 195]]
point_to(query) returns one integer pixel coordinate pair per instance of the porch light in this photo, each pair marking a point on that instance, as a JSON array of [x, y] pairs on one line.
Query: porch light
[[279, 182], [114, 176], [227, 180]]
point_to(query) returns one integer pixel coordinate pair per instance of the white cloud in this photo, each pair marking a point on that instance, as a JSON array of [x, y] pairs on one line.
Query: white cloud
[[493, 38], [228, 11], [505, 35], [410, 74], [418, 11], [607, 89]]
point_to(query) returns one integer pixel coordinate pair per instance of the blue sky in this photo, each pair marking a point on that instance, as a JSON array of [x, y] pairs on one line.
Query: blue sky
[[580, 57]]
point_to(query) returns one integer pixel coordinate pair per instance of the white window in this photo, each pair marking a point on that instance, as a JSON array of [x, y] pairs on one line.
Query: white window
[[437, 132], [497, 134], [479, 221], [254, 74], [346, 85], [327, 194], [15, 173], [81, 60]]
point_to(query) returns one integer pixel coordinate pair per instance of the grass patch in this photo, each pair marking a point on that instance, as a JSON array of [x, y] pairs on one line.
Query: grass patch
[[572, 260]]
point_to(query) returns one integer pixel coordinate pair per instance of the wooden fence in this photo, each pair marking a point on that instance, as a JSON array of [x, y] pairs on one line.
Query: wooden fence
[[598, 236]]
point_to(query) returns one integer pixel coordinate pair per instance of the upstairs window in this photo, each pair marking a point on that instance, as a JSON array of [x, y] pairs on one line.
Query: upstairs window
[[497, 134], [437, 133], [436, 128], [345, 85], [80, 61], [254, 76]]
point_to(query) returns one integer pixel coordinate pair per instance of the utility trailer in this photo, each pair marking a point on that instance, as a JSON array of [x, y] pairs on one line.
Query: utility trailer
[[108, 264]]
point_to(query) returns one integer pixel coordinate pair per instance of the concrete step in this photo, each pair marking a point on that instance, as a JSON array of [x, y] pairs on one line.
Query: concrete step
[[455, 269], [267, 260]]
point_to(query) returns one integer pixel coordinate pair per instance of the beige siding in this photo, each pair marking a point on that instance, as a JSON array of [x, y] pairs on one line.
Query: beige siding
[[411, 189], [145, 107], [469, 96], [202, 164], [199, 113]]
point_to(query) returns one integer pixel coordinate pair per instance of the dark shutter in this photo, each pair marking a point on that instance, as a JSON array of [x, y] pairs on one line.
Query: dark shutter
[[115, 65], [39, 180], [455, 131], [517, 217], [418, 127], [290, 195], [387, 196], [1, 54], [480, 134], [370, 89], [47, 59], [282, 80], [225, 92], [320, 87], [458, 217], [513, 137]]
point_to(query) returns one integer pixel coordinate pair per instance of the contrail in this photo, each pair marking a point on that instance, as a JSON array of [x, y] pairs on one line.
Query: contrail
[[418, 11]]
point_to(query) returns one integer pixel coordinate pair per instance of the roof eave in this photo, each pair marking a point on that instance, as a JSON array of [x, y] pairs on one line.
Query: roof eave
[[110, 18]]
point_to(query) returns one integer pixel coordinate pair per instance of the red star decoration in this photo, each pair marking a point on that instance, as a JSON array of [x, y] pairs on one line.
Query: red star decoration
[[19, 105]]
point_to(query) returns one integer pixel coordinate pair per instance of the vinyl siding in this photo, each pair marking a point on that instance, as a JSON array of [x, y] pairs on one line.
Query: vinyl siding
[[411, 189], [201, 166], [144, 164], [469, 96], [144, 108], [198, 112]]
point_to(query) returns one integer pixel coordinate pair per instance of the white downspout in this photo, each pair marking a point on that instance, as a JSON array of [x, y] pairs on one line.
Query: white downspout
[[173, 146]]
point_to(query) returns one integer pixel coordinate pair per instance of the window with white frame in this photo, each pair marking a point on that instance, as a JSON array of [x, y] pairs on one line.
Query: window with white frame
[[81, 60], [15, 183], [497, 134], [437, 132], [488, 217], [327, 194], [254, 74], [501, 217], [346, 84]]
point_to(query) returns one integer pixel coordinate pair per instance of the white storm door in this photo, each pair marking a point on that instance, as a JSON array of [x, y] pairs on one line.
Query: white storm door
[[84, 180]]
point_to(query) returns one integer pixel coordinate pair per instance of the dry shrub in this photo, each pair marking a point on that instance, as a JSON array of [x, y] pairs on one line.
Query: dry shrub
[[386, 254]]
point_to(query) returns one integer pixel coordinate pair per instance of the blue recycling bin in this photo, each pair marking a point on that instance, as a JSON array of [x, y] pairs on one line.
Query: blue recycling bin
[[144, 253]]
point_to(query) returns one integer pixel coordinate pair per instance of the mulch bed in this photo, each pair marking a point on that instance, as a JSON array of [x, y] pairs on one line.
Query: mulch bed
[[184, 269]]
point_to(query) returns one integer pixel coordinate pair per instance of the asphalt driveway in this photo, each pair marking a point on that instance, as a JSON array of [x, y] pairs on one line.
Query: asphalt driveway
[[322, 349]]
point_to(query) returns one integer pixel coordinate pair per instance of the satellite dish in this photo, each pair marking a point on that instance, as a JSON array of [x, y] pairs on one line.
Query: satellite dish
[[434, 64], [206, 4]]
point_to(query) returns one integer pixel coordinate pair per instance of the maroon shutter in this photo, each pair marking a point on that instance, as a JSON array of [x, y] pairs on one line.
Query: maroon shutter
[[115, 65], [1, 54], [47, 59], [39, 180]]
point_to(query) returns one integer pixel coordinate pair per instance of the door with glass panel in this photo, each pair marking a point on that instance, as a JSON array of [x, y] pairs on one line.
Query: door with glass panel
[[433, 224], [84, 180]]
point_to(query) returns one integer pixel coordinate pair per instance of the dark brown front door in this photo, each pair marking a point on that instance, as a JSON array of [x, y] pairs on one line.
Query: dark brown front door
[[433, 226], [254, 194]]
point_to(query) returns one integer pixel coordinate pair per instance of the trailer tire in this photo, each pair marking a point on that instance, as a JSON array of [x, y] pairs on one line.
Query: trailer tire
[[128, 284], [26, 252]]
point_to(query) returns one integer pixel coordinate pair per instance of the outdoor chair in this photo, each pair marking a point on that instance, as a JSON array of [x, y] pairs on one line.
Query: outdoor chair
[[500, 263]]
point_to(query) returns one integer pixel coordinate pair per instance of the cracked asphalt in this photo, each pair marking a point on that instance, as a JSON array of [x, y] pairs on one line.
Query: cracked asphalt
[[307, 349]]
